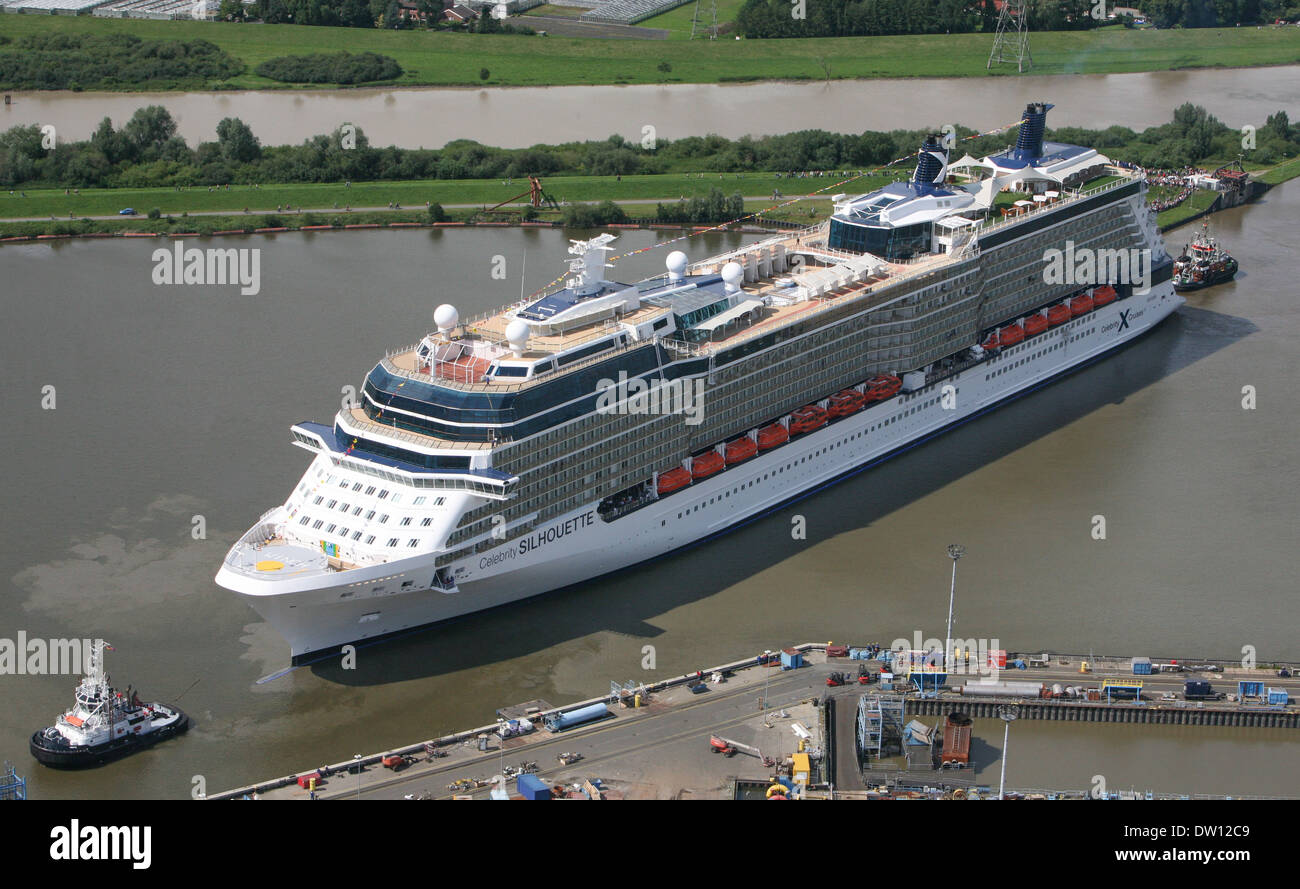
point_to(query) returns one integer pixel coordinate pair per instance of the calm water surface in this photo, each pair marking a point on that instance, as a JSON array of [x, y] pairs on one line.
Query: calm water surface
[[518, 118]]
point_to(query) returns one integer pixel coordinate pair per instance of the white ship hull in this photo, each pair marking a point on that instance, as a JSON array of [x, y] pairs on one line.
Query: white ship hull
[[317, 617]]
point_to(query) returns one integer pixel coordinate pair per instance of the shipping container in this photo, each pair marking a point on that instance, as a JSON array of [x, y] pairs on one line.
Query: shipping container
[[956, 741], [1278, 696], [998, 658], [532, 787], [1197, 689], [837, 651], [1141, 666]]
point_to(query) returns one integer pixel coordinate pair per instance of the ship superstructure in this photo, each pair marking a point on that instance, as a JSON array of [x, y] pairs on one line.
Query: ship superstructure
[[604, 423]]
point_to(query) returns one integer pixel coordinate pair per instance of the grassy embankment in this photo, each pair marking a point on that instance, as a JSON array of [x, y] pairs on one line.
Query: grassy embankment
[[198, 210], [452, 59]]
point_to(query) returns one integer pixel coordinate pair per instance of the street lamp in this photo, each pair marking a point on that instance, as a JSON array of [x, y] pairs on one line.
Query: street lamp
[[955, 552], [357, 759], [1008, 715]]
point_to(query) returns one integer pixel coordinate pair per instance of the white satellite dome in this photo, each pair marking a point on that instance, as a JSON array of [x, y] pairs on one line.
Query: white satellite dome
[[517, 333], [732, 274], [676, 263], [446, 317]]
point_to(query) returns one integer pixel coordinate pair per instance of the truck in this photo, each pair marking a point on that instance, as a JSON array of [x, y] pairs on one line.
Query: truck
[[1200, 690], [956, 741]]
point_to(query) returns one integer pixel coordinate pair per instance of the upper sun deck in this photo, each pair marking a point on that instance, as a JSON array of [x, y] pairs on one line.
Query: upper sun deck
[[701, 308]]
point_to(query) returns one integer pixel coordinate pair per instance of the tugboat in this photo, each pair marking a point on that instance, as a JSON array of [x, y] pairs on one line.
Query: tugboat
[[104, 724], [1203, 263]]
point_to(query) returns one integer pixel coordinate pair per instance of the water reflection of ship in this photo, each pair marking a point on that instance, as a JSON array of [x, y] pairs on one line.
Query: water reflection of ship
[[1203, 263]]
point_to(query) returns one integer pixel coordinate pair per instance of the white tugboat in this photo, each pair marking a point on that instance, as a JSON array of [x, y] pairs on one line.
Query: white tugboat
[[104, 724]]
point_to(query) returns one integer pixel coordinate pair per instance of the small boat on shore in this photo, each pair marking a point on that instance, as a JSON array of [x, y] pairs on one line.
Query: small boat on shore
[[104, 724]]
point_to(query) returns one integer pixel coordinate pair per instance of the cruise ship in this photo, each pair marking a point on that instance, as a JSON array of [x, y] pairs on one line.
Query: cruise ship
[[600, 423]]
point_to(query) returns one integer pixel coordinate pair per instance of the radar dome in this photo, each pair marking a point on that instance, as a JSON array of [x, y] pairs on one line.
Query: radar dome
[[517, 333], [676, 263], [446, 317], [732, 275]]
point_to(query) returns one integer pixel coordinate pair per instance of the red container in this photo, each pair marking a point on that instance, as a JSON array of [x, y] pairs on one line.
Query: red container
[[998, 658], [305, 780], [837, 651]]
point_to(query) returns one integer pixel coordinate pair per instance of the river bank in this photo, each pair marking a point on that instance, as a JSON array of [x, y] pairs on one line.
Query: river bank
[[447, 59]]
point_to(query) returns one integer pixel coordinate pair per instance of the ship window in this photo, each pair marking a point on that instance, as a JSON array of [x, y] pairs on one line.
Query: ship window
[[343, 484], [316, 524], [318, 500], [419, 501], [383, 519], [370, 490], [414, 542], [344, 507], [356, 535], [440, 501], [356, 510], [426, 523], [370, 539], [357, 486], [330, 529], [406, 521], [305, 520], [383, 494], [370, 515], [392, 541]]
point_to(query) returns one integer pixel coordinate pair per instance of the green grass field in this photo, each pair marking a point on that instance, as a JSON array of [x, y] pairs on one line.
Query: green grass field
[[103, 202], [445, 59], [678, 21]]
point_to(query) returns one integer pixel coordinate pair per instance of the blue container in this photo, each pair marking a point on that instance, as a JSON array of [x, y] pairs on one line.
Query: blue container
[[1278, 696], [859, 654], [532, 787], [791, 659], [1250, 689], [1141, 666]]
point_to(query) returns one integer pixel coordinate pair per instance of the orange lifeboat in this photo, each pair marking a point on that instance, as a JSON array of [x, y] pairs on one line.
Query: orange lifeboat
[[846, 402], [806, 419], [1011, 335], [673, 480], [771, 436], [740, 449], [706, 464], [1081, 305], [882, 387], [1034, 325], [1103, 296], [992, 342], [1058, 314]]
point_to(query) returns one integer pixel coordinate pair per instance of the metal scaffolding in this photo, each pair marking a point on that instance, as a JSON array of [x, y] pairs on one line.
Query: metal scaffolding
[[12, 786], [880, 726]]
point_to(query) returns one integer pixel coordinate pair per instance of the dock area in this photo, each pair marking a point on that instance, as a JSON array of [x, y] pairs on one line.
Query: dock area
[[787, 719]]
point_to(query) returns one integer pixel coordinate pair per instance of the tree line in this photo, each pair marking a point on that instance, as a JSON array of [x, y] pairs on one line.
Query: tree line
[[148, 152], [339, 67], [58, 61]]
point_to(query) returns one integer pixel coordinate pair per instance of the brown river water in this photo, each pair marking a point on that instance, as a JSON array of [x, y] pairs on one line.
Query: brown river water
[[517, 118]]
